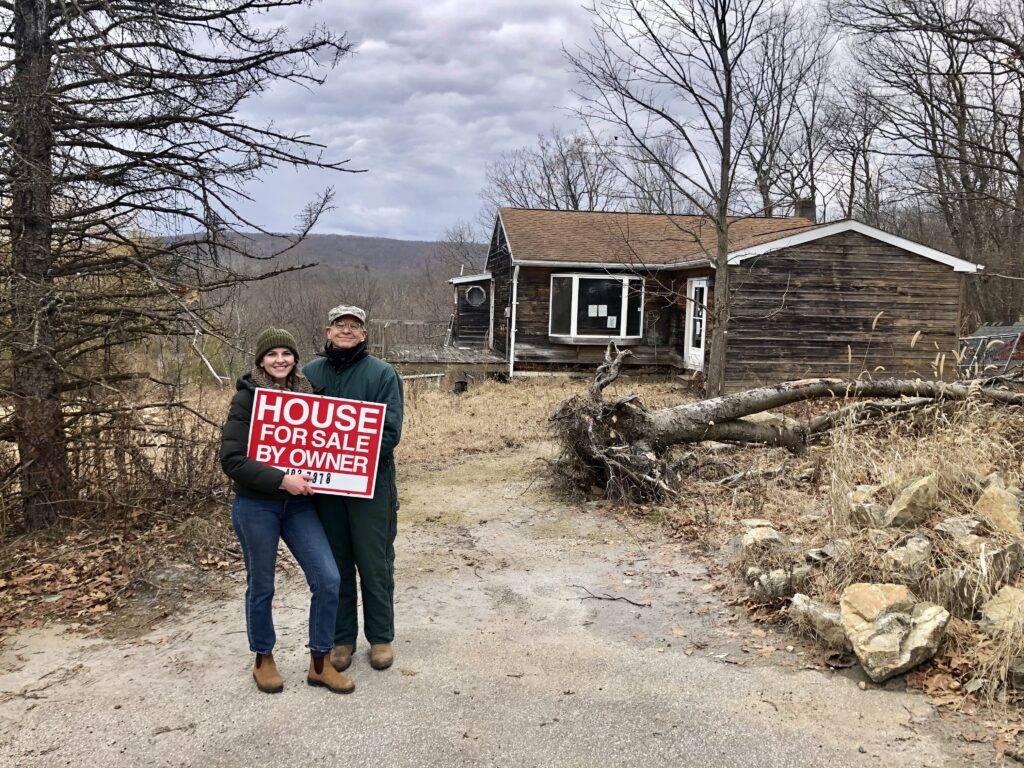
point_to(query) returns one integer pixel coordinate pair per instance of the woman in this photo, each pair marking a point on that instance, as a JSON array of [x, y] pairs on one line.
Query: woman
[[270, 505]]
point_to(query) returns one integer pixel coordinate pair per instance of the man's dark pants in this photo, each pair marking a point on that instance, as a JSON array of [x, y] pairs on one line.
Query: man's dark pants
[[362, 534]]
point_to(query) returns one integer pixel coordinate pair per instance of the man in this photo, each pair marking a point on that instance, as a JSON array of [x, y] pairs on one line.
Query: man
[[361, 532]]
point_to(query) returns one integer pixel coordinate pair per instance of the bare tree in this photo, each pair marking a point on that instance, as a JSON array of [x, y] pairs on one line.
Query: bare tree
[[561, 172], [856, 148], [949, 82], [459, 251], [783, 82], [121, 118], [657, 71]]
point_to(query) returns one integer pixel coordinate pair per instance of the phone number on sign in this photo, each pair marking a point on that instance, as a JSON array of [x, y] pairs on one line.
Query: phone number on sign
[[315, 477]]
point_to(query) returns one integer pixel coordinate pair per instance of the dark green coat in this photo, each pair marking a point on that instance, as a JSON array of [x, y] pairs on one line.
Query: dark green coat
[[374, 381], [251, 478]]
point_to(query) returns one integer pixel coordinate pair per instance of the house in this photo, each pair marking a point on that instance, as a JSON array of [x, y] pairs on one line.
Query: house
[[806, 299]]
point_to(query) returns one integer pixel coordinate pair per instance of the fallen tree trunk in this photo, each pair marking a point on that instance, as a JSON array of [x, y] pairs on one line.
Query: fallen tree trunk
[[620, 446]]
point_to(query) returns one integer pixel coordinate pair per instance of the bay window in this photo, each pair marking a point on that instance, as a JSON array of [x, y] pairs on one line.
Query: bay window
[[588, 307]]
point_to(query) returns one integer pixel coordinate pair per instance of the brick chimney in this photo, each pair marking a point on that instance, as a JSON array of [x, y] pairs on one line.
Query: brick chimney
[[805, 208]]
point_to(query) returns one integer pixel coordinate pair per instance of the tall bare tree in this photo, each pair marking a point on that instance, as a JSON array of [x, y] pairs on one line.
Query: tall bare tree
[[121, 119], [561, 172], [782, 81], [661, 71], [949, 82]]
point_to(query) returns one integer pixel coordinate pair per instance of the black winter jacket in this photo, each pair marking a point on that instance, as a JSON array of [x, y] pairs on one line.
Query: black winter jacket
[[251, 478]]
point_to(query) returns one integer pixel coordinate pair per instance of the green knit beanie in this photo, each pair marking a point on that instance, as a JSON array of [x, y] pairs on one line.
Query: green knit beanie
[[272, 338]]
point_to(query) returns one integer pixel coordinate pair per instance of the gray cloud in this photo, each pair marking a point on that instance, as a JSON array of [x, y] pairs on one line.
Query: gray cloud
[[434, 92]]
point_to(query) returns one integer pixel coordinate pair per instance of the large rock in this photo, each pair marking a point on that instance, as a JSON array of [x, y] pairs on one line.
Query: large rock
[[1003, 612], [911, 557], [914, 503], [966, 586], [864, 509], [966, 531], [777, 583], [890, 631], [1000, 509], [822, 620], [761, 538]]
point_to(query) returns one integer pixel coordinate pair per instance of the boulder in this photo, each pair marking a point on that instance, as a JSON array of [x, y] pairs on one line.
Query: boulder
[[914, 503], [777, 583], [1000, 509], [864, 509], [756, 522], [1002, 563], [1004, 611], [911, 556], [822, 620], [964, 530], [994, 480], [889, 629], [761, 538]]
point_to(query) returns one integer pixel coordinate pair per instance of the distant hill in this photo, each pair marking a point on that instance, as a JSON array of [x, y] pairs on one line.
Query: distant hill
[[352, 250]]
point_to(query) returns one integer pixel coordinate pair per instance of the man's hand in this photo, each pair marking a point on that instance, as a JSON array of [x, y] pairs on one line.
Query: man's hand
[[297, 485]]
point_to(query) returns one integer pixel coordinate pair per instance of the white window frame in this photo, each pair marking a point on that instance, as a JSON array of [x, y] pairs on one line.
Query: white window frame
[[573, 337]]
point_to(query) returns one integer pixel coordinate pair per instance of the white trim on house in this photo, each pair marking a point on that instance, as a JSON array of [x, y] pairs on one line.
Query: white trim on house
[[574, 337], [512, 322], [508, 242], [693, 357], [490, 328], [850, 225], [469, 278]]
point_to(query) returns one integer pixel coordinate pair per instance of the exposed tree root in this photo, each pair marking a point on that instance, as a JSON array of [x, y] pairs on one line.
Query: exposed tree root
[[620, 448]]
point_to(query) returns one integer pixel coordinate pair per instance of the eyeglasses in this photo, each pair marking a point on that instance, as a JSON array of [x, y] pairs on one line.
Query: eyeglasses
[[347, 326]]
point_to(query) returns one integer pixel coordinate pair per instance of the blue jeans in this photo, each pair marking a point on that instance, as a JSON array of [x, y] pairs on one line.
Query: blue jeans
[[259, 526]]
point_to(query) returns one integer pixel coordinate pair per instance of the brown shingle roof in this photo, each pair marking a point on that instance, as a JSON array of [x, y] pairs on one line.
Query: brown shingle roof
[[601, 237]]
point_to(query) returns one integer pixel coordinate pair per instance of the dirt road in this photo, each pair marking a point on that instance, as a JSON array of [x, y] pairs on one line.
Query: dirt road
[[503, 659]]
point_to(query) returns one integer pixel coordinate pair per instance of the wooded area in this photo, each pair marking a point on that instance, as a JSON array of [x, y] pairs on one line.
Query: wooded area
[[126, 165]]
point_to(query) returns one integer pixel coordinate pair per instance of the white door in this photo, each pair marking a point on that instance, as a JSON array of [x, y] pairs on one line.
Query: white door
[[696, 325]]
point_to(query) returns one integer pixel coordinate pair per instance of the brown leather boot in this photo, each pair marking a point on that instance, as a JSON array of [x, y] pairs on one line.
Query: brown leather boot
[[325, 675], [381, 655], [264, 672], [341, 657]]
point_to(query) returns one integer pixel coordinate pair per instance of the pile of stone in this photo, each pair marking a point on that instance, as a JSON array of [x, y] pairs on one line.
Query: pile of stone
[[887, 627]]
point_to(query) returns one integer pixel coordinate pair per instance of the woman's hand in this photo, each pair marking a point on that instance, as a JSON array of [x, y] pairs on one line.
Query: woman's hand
[[297, 485]]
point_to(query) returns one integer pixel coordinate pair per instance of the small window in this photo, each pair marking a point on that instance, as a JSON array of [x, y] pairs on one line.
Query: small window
[[596, 306], [561, 306], [475, 296]]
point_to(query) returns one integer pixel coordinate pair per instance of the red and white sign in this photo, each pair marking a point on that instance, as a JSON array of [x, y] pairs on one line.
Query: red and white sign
[[336, 441]]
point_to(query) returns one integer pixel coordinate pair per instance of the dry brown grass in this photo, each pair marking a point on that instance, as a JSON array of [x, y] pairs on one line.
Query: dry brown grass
[[808, 502], [493, 416]]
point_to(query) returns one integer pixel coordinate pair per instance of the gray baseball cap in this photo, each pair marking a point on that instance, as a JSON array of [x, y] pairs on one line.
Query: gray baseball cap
[[343, 310]]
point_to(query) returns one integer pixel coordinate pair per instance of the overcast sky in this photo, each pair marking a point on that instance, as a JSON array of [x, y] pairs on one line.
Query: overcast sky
[[434, 91]]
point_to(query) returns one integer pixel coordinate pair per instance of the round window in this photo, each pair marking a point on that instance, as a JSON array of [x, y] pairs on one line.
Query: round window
[[476, 295]]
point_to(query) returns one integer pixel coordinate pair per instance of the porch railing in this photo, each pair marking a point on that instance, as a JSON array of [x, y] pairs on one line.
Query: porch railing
[[388, 334]]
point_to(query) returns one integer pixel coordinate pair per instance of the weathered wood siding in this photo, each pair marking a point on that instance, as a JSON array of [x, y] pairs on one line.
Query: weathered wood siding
[[660, 322], [472, 323], [840, 306], [499, 264]]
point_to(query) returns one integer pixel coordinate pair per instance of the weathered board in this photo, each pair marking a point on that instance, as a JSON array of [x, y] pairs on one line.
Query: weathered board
[[840, 306]]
